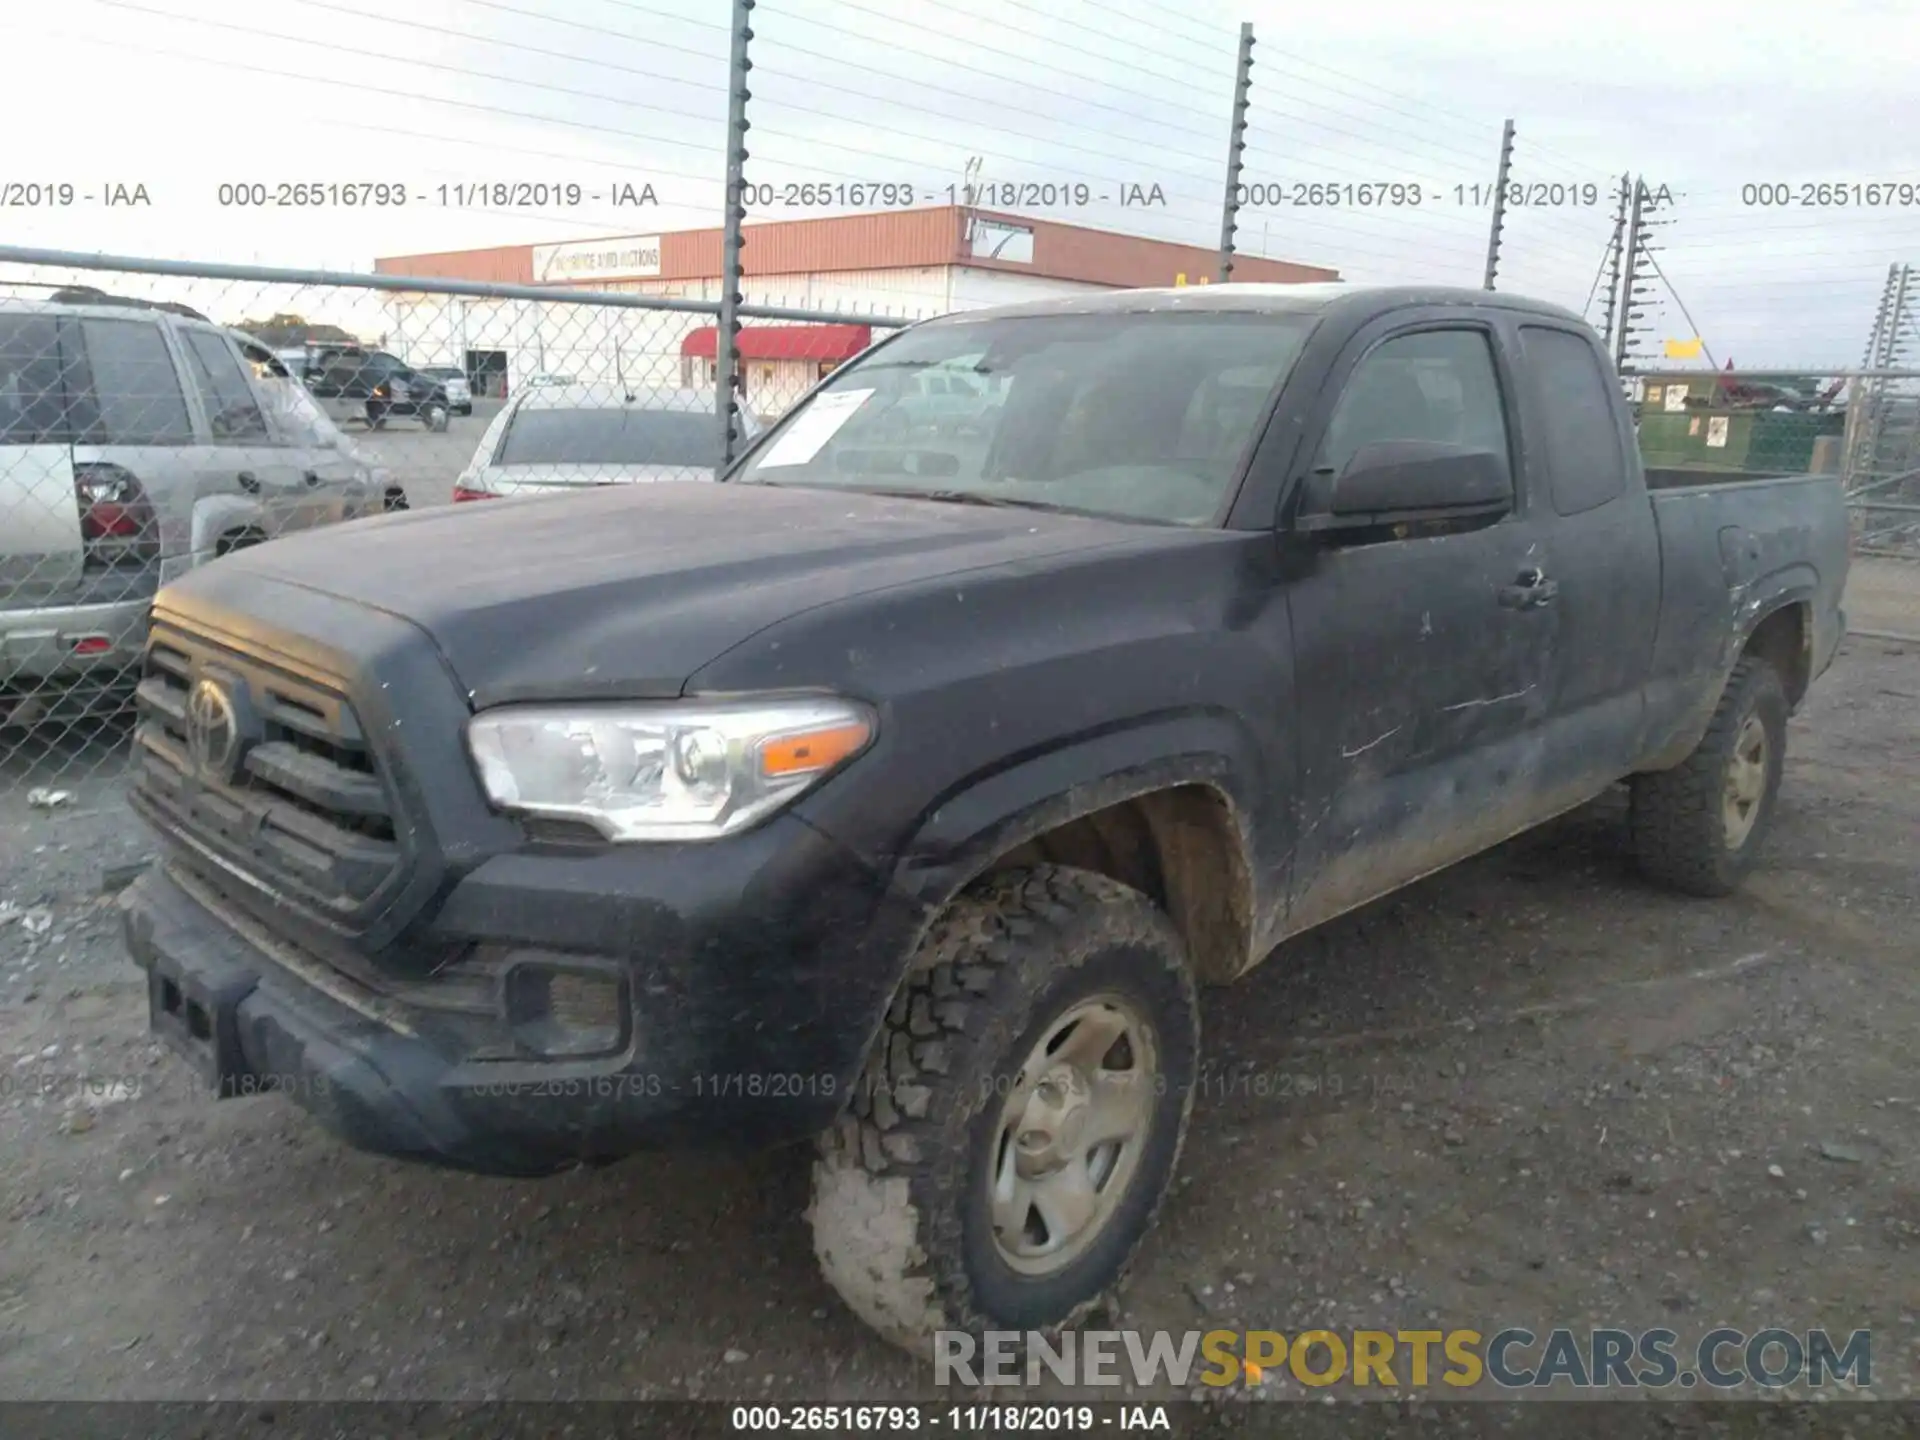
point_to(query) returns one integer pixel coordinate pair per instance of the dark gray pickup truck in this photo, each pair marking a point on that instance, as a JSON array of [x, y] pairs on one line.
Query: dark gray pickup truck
[[900, 789]]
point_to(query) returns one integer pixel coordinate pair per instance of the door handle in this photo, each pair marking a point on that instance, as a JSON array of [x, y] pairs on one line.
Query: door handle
[[250, 482], [1531, 590]]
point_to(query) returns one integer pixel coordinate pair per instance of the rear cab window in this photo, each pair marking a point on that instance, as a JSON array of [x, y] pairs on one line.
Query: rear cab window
[[1585, 461]]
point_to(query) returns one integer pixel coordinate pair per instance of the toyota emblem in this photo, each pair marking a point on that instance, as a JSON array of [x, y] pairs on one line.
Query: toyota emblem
[[213, 730]]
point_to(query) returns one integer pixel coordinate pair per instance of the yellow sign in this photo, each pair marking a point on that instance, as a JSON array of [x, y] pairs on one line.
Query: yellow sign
[[1685, 349]]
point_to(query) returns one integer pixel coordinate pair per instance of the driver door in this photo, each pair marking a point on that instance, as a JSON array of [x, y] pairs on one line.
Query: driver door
[[1421, 692]]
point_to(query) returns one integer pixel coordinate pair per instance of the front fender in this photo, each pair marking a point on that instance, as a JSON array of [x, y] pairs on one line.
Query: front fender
[[985, 816], [1222, 882]]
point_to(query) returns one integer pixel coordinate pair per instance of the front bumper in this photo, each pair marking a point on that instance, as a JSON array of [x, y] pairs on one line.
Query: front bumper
[[756, 985]]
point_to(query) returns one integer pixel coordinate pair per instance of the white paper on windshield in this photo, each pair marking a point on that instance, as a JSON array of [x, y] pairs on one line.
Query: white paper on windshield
[[810, 431]]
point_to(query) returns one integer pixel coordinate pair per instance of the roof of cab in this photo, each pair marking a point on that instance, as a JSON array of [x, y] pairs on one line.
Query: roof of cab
[[1261, 298]]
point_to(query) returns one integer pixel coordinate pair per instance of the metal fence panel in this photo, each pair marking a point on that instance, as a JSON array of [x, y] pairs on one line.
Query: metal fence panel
[[154, 419]]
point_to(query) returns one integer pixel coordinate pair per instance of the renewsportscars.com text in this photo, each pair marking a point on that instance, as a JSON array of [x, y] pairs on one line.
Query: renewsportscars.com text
[[1510, 1359]]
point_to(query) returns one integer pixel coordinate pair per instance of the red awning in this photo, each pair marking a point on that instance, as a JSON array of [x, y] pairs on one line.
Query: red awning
[[784, 342]]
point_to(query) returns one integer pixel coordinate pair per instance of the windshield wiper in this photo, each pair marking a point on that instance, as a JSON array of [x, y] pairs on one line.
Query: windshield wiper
[[961, 497]]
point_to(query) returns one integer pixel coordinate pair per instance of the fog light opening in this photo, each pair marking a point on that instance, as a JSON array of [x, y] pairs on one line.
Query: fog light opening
[[559, 1011]]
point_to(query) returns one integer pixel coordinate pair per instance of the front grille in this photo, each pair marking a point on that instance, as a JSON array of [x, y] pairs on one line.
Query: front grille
[[306, 815]]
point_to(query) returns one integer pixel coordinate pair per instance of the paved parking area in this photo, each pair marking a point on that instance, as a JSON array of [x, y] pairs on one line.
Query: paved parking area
[[427, 464]]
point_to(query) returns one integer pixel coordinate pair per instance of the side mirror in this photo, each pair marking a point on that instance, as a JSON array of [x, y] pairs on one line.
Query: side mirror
[[1389, 481]]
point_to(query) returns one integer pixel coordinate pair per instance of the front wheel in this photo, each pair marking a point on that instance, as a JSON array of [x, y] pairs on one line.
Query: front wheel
[[1020, 1116], [436, 417], [1699, 826]]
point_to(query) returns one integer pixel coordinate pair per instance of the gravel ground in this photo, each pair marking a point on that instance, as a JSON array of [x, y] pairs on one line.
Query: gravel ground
[[1529, 1091]]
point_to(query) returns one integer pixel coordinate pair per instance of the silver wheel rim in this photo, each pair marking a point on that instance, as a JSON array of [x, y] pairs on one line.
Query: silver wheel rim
[[1746, 782], [1071, 1134]]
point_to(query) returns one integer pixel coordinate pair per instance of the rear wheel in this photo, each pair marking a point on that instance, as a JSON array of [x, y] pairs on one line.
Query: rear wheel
[[1020, 1116], [394, 500], [1699, 826]]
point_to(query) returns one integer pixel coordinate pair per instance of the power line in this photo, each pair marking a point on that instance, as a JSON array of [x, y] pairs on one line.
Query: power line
[[939, 140], [999, 21], [1224, 37], [597, 30], [518, 46], [788, 46], [423, 64], [667, 15], [362, 86], [971, 45]]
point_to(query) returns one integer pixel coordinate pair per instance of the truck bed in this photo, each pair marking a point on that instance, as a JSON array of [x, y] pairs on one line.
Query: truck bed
[[1678, 477], [1733, 545]]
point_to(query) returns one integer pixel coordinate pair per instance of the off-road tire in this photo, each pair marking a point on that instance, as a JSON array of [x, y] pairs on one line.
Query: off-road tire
[[899, 1209], [1679, 833]]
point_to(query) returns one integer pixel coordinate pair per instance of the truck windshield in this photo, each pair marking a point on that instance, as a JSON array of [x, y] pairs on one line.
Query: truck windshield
[[1141, 416]]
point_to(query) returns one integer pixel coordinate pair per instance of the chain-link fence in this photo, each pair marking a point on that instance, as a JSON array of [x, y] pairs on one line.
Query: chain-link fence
[[154, 420]]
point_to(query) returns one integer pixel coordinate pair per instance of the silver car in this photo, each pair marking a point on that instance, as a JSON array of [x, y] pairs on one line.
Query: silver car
[[136, 442], [556, 437]]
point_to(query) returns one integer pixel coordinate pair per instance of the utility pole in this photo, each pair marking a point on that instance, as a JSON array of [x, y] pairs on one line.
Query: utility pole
[[1610, 266], [1499, 205], [1631, 291], [1236, 147], [726, 347]]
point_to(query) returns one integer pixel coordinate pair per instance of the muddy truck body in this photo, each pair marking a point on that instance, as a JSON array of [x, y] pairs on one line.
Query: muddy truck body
[[896, 793]]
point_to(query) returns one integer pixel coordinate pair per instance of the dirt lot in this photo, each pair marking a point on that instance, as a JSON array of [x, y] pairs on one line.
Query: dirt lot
[[1542, 1094]]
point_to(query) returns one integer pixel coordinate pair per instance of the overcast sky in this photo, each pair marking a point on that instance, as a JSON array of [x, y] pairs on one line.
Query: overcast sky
[[182, 96]]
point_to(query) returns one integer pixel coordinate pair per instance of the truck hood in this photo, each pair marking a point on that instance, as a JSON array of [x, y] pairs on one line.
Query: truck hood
[[626, 591]]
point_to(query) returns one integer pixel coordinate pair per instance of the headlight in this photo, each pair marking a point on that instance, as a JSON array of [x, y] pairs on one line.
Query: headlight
[[671, 771]]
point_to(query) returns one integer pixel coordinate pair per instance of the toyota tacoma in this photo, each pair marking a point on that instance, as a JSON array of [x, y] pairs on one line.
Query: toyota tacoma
[[896, 793]]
